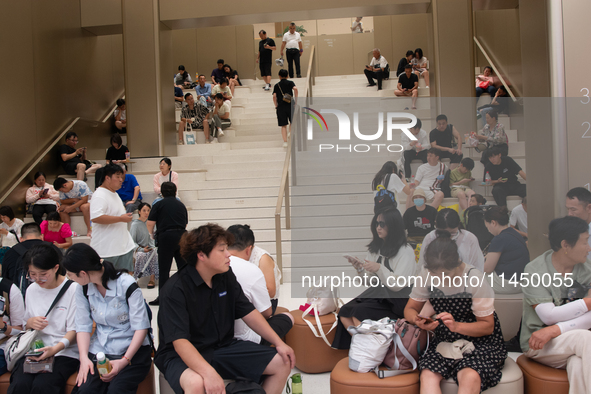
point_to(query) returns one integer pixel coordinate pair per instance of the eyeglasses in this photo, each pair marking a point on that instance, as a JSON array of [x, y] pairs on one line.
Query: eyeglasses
[[38, 278], [381, 224], [74, 140]]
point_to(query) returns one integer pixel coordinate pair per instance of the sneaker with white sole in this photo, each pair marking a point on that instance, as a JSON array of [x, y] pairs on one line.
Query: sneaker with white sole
[[267, 88], [220, 133], [285, 144], [214, 141]]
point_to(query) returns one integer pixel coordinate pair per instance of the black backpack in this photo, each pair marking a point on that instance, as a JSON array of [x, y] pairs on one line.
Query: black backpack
[[244, 386], [5, 286], [384, 198], [128, 294], [474, 219], [20, 280], [445, 185]]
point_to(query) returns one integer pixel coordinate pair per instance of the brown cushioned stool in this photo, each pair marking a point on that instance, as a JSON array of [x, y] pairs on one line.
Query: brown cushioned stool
[[345, 381], [313, 355], [540, 378], [511, 381]]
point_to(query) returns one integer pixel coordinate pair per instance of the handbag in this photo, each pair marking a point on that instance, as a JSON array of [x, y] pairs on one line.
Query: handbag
[[322, 301], [370, 343], [409, 342], [484, 84], [18, 345], [286, 97]]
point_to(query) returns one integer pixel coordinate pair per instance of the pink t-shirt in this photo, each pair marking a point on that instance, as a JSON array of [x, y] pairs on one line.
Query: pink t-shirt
[[56, 236]]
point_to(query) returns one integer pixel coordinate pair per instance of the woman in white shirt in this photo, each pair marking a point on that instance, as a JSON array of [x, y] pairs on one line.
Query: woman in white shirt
[[113, 300], [56, 331], [9, 226], [419, 65], [165, 175], [468, 247], [391, 261], [11, 318], [42, 196], [389, 178]]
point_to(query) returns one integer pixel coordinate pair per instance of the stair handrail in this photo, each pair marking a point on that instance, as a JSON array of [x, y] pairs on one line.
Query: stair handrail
[[284, 184], [495, 68]]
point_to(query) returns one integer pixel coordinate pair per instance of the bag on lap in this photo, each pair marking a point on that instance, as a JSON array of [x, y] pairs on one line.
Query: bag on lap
[[384, 198], [409, 342]]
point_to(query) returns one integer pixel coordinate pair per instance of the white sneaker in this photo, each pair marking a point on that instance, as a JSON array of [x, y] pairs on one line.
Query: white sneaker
[[214, 141], [267, 88], [285, 144], [220, 132]]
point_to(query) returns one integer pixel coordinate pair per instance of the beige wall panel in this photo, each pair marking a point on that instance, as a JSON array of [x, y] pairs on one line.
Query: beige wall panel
[[307, 42], [498, 32], [362, 44], [409, 32], [335, 55], [118, 66], [383, 37], [100, 13], [214, 43], [184, 51], [169, 137], [245, 56]]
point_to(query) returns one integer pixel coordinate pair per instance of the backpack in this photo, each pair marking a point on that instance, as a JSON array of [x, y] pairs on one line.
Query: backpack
[[474, 219], [408, 344], [244, 386], [128, 294], [20, 280], [445, 185], [5, 286], [384, 198], [386, 72]]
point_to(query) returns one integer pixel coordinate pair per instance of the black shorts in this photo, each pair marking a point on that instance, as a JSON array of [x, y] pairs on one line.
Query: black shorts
[[265, 69], [240, 358], [281, 324], [455, 158], [283, 114], [70, 167]]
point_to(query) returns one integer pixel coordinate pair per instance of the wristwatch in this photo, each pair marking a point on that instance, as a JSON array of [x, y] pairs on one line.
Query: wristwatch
[[3, 329]]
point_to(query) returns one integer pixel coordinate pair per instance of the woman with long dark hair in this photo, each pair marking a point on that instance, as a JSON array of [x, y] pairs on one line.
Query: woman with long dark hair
[[391, 179], [122, 323], [56, 330], [392, 261], [232, 76], [419, 65]]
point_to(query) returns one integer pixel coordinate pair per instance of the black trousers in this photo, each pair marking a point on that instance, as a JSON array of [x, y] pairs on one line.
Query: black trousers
[[40, 209], [293, 56], [501, 190], [168, 247], [410, 155], [371, 75], [126, 381], [43, 383]]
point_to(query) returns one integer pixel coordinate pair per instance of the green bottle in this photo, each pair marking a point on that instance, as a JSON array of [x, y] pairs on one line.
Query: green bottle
[[296, 384], [38, 344]]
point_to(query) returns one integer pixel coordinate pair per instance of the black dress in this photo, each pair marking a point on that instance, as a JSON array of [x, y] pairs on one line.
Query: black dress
[[374, 303], [487, 359]]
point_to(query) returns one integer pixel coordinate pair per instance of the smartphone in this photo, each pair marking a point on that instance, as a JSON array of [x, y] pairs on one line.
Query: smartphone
[[352, 258], [428, 320], [504, 179], [45, 191], [33, 353], [2, 304]]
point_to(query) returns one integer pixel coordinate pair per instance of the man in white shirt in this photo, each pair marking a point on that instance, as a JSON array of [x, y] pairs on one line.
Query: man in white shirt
[[357, 26], [415, 150], [375, 69], [578, 203], [518, 219], [110, 237], [293, 43], [253, 284], [429, 177]]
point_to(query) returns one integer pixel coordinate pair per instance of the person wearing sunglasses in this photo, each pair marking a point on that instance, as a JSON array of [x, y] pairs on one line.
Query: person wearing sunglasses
[[392, 260]]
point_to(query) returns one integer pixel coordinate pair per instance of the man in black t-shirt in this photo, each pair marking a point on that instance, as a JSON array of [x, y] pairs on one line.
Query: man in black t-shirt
[[419, 220], [265, 58], [442, 137], [170, 217], [74, 160], [284, 108], [403, 62], [196, 324], [408, 85], [503, 171]]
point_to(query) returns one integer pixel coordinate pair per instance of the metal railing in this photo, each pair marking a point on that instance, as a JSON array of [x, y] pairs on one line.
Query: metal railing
[[495, 68], [283, 195]]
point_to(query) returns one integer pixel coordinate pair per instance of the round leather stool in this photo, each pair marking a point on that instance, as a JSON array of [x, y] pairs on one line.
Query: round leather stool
[[511, 382], [313, 355], [345, 381], [540, 378]]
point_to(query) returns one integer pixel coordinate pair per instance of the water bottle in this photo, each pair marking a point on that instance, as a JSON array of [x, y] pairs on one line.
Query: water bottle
[[487, 179], [412, 182], [296, 384], [103, 364]]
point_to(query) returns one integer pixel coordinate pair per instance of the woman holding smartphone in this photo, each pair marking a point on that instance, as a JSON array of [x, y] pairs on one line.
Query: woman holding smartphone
[[42, 196], [121, 324], [57, 331], [392, 261]]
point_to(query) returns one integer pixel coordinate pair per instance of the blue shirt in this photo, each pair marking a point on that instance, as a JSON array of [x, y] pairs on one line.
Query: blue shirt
[[126, 191], [203, 91], [116, 322], [178, 92]]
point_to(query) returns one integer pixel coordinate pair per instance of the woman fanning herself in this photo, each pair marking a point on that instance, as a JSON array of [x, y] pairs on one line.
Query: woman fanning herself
[[57, 330], [463, 311], [121, 324], [389, 258]]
